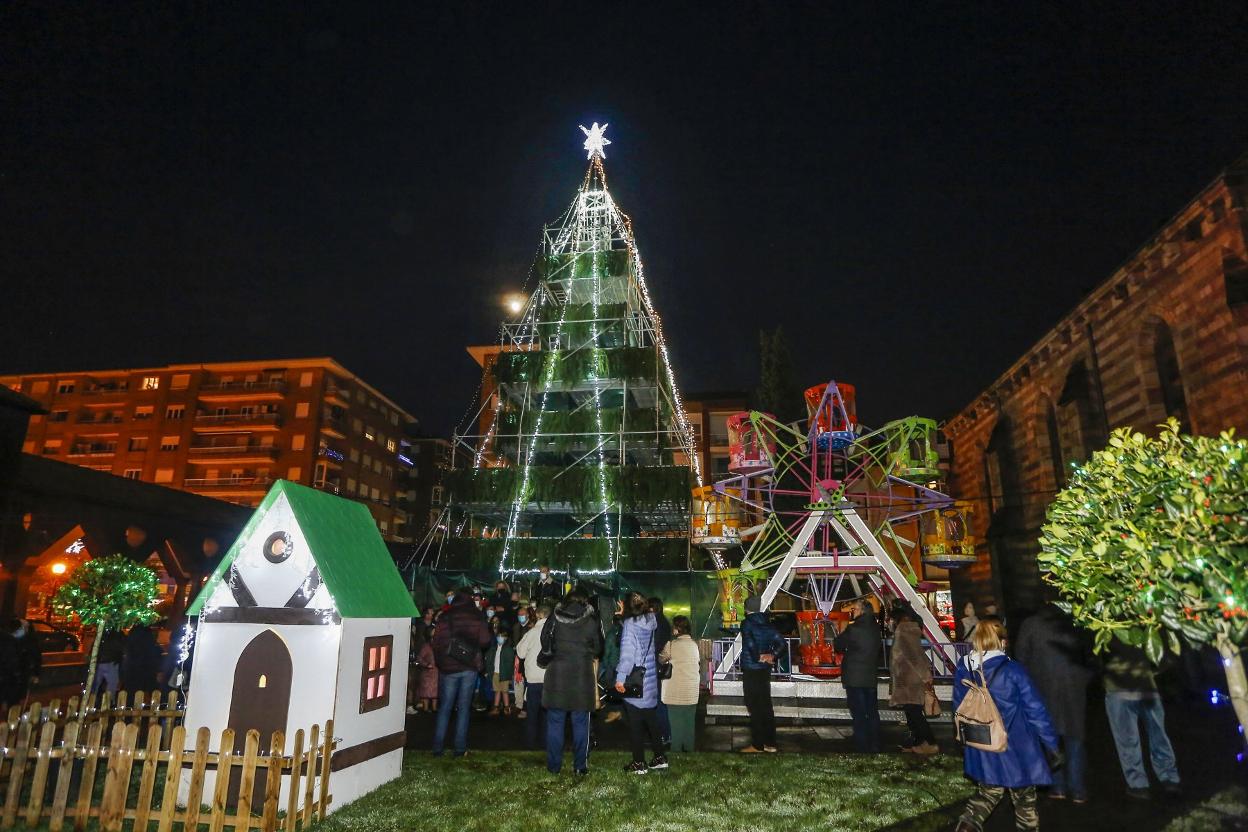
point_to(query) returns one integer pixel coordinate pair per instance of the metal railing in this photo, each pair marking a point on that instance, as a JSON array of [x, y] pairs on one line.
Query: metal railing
[[269, 451], [105, 391], [219, 482], [226, 418], [784, 669], [261, 386], [93, 450]]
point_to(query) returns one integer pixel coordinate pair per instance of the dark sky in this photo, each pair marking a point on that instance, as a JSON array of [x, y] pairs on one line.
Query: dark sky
[[916, 193]]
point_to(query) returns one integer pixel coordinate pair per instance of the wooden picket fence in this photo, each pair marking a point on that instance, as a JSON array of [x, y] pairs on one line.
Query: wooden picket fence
[[49, 771]]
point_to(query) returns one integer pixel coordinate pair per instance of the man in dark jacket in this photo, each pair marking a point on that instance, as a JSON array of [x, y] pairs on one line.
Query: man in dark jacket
[[1057, 658], [547, 590], [761, 644], [1130, 696], [573, 636], [460, 637], [859, 645], [29, 653]]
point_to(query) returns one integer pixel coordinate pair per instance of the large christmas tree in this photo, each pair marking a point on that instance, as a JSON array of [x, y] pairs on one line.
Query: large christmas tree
[[580, 456]]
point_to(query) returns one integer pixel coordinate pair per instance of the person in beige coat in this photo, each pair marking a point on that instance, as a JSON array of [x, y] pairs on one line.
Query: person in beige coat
[[911, 674], [680, 693]]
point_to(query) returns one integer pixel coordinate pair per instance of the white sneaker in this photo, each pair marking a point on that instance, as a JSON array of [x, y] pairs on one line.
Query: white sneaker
[[411, 711]]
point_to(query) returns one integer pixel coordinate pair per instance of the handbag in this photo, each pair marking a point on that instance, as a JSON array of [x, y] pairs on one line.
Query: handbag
[[931, 705], [547, 653], [977, 722], [635, 681], [665, 670], [461, 651]]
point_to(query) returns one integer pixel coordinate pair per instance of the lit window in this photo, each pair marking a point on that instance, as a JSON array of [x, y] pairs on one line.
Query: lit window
[[296, 441], [294, 474], [375, 493], [170, 443], [368, 434], [133, 473], [150, 383], [164, 475], [138, 443], [51, 447], [375, 673], [175, 411], [180, 381], [144, 411], [305, 379], [301, 410], [391, 446]]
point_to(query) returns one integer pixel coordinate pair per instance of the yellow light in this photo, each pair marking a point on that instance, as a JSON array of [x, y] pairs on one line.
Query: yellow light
[[59, 568]]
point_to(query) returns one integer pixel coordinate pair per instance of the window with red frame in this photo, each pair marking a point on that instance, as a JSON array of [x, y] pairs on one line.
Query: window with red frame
[[375, 673]]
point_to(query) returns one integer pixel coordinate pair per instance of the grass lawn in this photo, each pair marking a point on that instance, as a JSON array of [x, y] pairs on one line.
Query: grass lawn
[[501, 791]]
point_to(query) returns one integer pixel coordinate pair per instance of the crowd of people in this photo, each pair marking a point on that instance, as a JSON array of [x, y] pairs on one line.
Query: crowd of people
[[552, 661]]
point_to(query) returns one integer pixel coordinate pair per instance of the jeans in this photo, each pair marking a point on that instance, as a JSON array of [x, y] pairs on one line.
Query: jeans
[[864, 708], [535, 722], [107, 677], [555, 719], [1125, 713], [643, 721], [986, 798], [916, 721], [454, 691], [1070, 778], [756, 686]]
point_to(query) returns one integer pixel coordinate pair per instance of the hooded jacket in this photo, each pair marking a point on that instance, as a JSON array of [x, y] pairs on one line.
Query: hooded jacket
[[1027, 723], [575, 637], [637, 648]]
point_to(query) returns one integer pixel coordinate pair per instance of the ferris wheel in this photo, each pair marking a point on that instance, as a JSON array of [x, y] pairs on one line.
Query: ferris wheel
[[835, 506]]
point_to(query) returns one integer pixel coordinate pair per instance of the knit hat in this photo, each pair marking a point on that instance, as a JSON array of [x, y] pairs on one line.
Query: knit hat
[[754, 603]]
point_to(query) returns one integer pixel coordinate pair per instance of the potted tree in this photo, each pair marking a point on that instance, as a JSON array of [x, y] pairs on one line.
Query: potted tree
[[109, 593], [1149, 544]]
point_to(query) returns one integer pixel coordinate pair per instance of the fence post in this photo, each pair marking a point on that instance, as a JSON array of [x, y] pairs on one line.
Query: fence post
[[43, 756], [225, 768], [296, 769], [69, 753], [195, 797], [251, 748], [173, 778], [17, 773], [310, 775], [151, 759], [273, 782], [86, 786], [117, 777], [329, 752]]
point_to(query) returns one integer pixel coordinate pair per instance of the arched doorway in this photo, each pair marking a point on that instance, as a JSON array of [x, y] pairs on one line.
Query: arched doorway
[[260, 699]]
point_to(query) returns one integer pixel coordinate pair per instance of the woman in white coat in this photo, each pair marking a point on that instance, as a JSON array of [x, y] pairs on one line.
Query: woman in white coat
[[680, 692]]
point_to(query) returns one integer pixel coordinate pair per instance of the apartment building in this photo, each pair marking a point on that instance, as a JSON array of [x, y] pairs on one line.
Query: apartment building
[[708, 414], [228, 430]]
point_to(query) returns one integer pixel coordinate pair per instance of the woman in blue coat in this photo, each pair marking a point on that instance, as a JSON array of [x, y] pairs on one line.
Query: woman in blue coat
[[637, 649], [1023, 764]]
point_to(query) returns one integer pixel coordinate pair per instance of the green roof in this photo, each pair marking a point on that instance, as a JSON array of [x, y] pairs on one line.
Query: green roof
[[349, 552]]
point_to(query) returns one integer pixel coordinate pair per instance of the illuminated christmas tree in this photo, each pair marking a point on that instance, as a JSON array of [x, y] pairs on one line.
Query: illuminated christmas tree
[[580, 455]]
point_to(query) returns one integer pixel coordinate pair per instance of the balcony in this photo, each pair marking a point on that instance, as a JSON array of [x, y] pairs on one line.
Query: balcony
[[215, 454], [330, 456], [106, 449], [340, 396], [89, 418], [229, 485], [332, 486], [261, 390], [334, 426], [119, 390], [227, 421]]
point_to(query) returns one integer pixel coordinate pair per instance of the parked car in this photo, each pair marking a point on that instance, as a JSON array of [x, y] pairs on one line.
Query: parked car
[[53, 639]]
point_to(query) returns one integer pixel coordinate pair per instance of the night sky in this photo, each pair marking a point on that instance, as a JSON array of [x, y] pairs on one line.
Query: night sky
[[915, 194]]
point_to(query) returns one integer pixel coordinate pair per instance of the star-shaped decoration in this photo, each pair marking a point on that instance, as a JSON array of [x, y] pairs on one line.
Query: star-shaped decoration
[[594, 140]]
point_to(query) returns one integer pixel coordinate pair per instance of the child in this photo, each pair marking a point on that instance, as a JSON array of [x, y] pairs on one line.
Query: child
[[500, 662]]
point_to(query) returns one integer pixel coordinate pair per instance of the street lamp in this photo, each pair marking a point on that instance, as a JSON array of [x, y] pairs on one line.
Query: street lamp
[[515, 303], [59, 568]]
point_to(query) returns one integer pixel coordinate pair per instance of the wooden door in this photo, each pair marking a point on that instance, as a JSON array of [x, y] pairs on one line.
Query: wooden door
[[260, 700]]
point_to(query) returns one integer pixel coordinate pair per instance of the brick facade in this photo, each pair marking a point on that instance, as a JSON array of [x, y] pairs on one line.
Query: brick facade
[[1164, 335]]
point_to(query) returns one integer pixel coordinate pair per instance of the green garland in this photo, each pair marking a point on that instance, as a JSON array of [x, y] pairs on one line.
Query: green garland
[[577, 366], [635, 487]]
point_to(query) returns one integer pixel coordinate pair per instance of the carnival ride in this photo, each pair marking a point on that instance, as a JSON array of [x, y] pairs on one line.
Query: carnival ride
[[832, 506]]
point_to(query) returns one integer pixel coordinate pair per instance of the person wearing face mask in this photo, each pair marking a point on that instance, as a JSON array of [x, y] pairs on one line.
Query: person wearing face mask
[[500, 663], [547, 590], [527, 650]]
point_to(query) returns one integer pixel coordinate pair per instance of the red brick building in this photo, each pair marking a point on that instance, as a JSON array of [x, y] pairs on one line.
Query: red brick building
[[1164, 335]]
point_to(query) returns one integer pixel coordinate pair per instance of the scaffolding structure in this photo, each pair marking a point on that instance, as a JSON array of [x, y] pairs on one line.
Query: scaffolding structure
[[577, 452]]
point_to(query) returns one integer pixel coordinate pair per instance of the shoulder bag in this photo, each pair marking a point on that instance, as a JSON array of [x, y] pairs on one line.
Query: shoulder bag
[[635, 681], [461, 651]]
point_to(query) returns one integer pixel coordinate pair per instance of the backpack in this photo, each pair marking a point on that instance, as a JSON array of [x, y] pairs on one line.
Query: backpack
[[977, 722]]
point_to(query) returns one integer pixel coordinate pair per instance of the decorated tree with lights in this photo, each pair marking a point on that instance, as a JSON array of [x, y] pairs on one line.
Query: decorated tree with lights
[[1149, 544], [109, 593], [579, 454]]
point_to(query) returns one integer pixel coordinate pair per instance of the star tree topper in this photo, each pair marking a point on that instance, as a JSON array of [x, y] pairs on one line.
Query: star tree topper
[[594, 140]]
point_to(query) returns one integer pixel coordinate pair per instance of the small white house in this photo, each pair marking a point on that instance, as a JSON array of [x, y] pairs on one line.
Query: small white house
[[306, 619]]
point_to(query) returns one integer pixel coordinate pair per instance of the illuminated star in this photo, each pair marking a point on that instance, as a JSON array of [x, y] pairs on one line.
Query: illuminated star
[[594, 140]]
